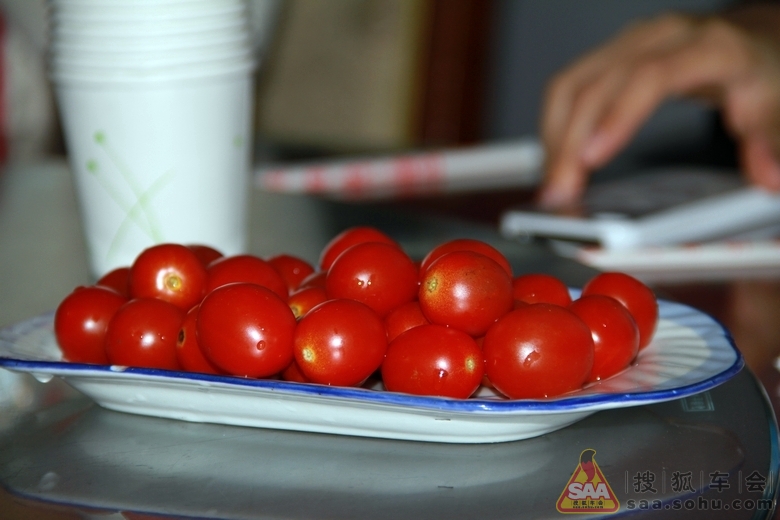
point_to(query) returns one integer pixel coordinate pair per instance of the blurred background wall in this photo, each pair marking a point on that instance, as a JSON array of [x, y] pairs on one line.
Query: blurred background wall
[[377, 75]]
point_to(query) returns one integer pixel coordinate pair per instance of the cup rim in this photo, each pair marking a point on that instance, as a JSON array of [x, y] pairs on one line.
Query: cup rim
[[186, 40], [159, 74], [142, 30], [143, 64], [132, 3], [110, 50], [119, 50], [134, 16]]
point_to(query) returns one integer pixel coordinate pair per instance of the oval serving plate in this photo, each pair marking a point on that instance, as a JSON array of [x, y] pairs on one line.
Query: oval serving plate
[[690, 353]]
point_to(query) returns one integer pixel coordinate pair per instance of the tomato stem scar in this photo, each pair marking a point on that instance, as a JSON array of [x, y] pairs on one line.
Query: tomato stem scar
[[173, 282]]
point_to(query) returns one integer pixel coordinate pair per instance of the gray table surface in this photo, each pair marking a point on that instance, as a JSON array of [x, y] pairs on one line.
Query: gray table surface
[[56, 446]]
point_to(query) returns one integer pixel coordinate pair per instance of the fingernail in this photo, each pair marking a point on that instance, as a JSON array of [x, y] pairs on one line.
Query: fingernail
[[594, 148], [552, 198], [773, 176], [761, 164]]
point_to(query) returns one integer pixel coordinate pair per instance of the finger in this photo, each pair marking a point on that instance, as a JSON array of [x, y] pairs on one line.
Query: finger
[[640, 96], [578, 97], [634, 41], [714, 58], [759, 162], [567, 167], [564, 185], [566, 171]]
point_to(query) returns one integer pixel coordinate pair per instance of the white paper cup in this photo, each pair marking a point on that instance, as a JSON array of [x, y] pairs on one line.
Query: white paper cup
[[159, 161]]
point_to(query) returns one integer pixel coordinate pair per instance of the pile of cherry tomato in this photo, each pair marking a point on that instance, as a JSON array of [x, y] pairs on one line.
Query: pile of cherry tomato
[[444, 326]]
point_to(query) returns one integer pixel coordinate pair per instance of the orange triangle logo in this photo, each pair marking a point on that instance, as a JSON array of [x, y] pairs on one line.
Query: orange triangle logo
[[587, 490]]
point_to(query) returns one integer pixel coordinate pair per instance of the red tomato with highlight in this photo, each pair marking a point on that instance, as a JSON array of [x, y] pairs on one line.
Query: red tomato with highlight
[[340, 342], [465, 244], [81, 321], [206, 254], [293, 269], [403, 318], [381, 276], [168, 272], [539, 350], [433, 360], [245, 269], [304, 300], [143, 333], [246, 330], [118, 280], [349, 238], [634, 295], [614, 331], [188, 350], [540, 288], [466, 291]]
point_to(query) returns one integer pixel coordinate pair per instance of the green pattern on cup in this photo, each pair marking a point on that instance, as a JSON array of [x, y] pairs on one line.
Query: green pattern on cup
[[138, 210]]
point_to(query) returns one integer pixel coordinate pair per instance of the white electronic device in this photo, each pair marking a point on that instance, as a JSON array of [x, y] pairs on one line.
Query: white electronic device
[[671, 206]]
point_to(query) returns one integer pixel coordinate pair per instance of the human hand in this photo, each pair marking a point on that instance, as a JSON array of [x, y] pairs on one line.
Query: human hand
[[594, 107]]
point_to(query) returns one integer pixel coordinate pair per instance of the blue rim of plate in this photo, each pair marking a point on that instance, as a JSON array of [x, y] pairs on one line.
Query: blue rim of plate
[[563, 404]]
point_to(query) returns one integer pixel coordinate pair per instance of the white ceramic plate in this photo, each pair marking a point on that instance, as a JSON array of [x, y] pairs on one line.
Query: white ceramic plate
[[690, 353]]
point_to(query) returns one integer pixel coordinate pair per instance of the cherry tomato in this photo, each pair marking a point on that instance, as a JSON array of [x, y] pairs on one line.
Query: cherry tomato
[[293, 269], [315, 279], [349, 238], [465, 244], [634, 295], [539, 350], [293, 373], [169, 272], [245, 269], [433, 360], [466, 291], [379, 275], [81, 320], [206, 254], [340, 342], [540, 288], [614, 331], [403, 318], [143, 333], [188, 351], [304, 300], [118, 279], [246, 330]]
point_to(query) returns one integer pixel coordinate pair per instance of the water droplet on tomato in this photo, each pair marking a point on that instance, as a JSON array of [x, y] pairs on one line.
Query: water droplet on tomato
[[443, 373], [531, 359], [260, 345]]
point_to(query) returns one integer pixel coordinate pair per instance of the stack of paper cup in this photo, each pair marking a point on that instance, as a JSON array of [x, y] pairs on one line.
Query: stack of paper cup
[[155, 98]]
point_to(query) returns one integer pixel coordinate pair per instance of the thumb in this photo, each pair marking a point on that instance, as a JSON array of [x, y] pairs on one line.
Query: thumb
[[760, 162]]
